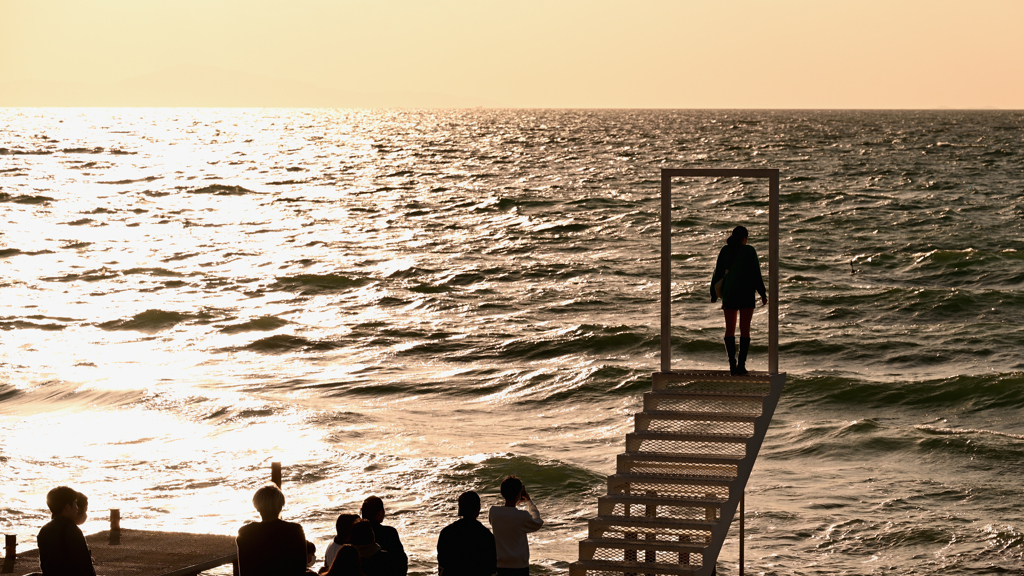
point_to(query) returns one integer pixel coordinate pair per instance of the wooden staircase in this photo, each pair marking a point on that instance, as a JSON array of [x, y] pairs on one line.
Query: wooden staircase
[[679, 483]]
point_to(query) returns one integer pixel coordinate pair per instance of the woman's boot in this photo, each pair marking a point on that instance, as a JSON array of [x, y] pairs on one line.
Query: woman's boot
[[741, 368], [730, 347]]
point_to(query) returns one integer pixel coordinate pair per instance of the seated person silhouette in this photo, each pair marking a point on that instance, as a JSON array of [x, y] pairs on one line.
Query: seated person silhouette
[[63, 550], [346, 562], [310, 558], [374, 560], [83, 508], [271, 547], [343, 527], [386, 536]]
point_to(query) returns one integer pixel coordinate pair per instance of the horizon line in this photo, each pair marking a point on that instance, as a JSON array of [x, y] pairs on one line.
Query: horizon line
[[759, 109]]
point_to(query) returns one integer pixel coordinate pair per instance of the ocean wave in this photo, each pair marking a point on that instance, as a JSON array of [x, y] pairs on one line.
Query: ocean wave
[[130, 180], [282, 343], [222, 190], [88, 276], [8, 392], [149, 322], [83, 222], [318, 283], [942, 430], [967, 267], [8, 252], [26, 325], [83, 150], [579, 340], [20, 152], [152, 272], [262, 324], [960, 394], [511, 386], [25, 198], [543, 478]]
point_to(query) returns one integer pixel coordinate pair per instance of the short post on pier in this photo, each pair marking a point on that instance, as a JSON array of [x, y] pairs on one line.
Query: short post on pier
[[115, 526], [10, 552], [275, 473]]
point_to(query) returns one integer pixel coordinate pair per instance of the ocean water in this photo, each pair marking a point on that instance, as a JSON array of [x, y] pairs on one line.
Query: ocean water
[[415, 303]]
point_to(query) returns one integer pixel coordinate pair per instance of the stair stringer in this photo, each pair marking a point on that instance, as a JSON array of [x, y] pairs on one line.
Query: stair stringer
[[738, 487]]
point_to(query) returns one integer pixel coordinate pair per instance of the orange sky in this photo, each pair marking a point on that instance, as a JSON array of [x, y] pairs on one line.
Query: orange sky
[[549, 53]]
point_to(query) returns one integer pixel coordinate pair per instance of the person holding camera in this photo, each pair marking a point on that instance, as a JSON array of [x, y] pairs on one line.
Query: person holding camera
[[511, 525]]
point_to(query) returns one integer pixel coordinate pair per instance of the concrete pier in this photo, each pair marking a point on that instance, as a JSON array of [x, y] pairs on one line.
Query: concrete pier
[[147, 553], [118, 552]]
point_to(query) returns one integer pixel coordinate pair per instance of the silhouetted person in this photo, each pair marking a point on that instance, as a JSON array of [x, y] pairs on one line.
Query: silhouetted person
[[310, 558], [83, 508], [346, 562], [511, 525], [386, 536], [343, 527], [271, 547], [374, 560], [739, 274], [63, 550], [465, 547]]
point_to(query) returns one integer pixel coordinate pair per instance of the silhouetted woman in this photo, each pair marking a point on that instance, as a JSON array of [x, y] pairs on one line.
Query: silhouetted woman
[[737, 276]]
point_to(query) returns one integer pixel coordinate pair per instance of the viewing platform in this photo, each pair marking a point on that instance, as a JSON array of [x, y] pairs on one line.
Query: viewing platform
[[147, 553], [120, 552]]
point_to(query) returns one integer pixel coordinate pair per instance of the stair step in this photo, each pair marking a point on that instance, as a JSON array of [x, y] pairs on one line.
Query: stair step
[[676, 470], [696, 416], [659, 378], [638, 544], [651, 500], [705, 395], [582, 566], [608, 522], [681, 458], [671, 479], [686, 437]]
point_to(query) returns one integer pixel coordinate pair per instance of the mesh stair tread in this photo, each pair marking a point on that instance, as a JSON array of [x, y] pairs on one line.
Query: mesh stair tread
[[652, 522], [686, 471], [706, 395], [637, 567], [682, 457], [698, 416], [689, 436], [660, 500], [643, 544], [711, 376], [679, 479]]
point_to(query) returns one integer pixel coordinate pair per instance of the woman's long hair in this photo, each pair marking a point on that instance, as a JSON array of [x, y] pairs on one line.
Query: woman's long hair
[[738, 234]]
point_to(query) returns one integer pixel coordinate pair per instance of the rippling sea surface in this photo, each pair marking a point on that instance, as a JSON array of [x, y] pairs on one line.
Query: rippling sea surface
[[416, 303]]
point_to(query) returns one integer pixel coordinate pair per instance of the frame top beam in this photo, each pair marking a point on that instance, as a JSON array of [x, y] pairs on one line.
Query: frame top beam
[[720, 172]]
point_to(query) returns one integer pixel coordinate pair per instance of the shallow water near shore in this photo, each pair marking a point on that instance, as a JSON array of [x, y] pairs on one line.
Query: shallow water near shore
[[415, 303]]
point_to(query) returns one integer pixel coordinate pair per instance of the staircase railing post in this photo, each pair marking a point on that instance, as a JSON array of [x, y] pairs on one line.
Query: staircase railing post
[[742, 515]]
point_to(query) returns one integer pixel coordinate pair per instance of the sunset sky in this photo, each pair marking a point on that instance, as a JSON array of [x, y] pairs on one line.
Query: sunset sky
[[550, 53]]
